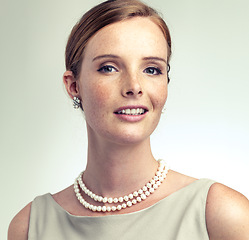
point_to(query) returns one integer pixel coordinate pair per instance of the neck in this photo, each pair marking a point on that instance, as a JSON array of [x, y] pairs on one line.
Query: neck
[[115, 170]]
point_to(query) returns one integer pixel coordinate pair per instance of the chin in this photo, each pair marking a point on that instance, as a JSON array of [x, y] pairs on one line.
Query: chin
[[129, 138]]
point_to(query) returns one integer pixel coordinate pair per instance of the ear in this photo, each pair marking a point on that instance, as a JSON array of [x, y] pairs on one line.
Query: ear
[[71, 84]]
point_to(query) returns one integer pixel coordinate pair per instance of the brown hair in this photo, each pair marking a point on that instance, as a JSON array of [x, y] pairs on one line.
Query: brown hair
[[106, 13]]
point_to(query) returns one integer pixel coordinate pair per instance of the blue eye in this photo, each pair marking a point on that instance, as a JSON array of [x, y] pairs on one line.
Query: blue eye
[[107, 69], [153, 71]]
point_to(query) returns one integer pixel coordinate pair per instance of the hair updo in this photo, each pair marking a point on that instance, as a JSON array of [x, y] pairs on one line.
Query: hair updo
[[106, 13]]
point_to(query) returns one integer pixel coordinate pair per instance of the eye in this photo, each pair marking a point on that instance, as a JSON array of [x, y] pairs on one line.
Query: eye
[[107, 69], [153, 71]]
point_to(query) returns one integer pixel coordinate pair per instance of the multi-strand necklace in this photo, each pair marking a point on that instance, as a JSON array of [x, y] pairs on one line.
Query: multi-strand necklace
[[124, 201]]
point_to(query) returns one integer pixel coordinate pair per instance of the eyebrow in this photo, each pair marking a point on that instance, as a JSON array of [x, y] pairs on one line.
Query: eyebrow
[[115, 56], [155, 58], [105, 56]]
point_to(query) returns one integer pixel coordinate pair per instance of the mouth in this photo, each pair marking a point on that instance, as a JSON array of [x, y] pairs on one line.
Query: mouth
[[132, 111]]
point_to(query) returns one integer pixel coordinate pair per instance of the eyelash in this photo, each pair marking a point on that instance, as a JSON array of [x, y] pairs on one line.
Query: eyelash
[[105, 69], [158, 70]]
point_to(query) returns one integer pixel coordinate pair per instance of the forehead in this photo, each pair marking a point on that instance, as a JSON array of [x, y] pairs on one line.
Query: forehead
[[138, 35]]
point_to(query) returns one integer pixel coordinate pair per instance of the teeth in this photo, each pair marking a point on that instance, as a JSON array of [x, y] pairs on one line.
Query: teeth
[[133, 111], [128, 111]]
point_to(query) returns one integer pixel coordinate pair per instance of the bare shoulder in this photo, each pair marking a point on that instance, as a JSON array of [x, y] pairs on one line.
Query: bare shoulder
[[227, 214], [18, 228]]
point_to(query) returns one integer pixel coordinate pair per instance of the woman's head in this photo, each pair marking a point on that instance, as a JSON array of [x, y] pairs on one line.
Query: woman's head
[[106, 13], [117, 60]]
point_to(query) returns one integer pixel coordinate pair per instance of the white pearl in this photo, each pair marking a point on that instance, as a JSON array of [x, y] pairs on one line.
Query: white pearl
[[158, 183], [114, 208], [95, 198], [90, 206], [140, 191], [110, 200], [155, 186], [130, 196], [99, 208], [158, 173], [103, 208], [152, 190], [145, 188], [156, 178], [94, 208], [134, 201], [139, 199], [148, 185], [115, 200], [120, 199], [143, 196], [147, 193], [100, 199], [93, 195], [160, 179], [119, 207], [124, 205], [161, 168], [108, 209], [126, 198], [129, 203], [77, 190], [152, 181], [135, 194], [105, 199]]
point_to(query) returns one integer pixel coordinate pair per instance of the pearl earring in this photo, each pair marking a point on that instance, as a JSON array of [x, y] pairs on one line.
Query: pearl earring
[[76, 102], [164, 109]]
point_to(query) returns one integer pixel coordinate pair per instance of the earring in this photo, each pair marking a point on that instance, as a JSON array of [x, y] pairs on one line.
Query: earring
[[164, 109], [168, 69], [76, 102]]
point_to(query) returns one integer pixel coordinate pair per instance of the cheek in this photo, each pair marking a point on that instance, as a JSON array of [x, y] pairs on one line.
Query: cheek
[[95, 96], [160, 96]]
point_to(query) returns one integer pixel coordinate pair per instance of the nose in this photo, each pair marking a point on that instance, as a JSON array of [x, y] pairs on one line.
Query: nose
[[131, 87]]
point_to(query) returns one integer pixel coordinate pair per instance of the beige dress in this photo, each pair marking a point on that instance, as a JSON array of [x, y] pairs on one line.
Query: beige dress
[[180, 216]]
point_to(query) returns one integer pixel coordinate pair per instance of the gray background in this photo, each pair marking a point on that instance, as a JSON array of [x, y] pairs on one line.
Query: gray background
[[204, 132]]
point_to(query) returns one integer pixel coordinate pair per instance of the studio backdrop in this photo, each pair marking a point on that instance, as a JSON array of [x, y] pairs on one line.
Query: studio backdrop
[[203, 133]]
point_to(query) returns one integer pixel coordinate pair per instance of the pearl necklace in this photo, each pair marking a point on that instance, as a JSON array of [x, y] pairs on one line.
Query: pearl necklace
[[127, 200]]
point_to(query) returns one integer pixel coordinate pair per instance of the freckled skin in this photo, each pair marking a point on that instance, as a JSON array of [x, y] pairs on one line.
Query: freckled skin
[[101, 93]]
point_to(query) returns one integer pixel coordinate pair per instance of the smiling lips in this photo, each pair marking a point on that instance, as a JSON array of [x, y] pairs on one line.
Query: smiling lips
[[132, 111]]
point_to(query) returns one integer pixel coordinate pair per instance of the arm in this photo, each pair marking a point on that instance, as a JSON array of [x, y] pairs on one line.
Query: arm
[[227, 214], [18, 228]]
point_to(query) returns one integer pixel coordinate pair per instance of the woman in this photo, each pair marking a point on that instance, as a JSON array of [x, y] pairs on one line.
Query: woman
[[117, 61]]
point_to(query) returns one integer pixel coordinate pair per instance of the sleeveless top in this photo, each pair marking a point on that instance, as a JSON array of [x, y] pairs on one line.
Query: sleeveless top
[[179, 216]]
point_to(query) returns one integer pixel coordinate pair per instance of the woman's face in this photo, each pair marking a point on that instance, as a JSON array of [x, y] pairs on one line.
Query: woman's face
[[123, 81]]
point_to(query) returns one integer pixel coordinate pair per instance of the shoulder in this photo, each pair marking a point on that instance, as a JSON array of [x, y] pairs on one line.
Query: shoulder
[[227, 214], [18, 228]]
